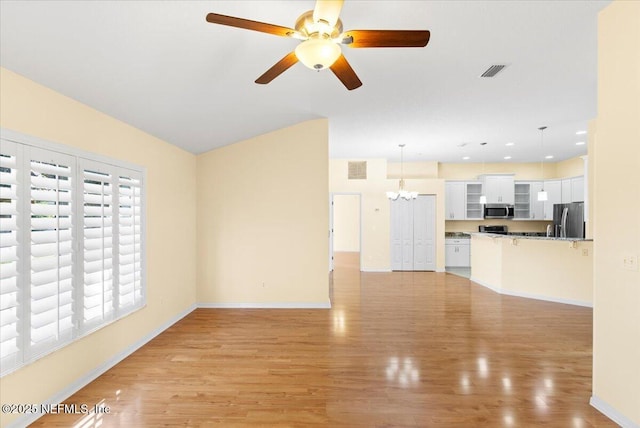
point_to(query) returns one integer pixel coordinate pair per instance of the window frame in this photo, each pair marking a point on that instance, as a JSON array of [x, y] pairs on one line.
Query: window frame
[[82, 161]]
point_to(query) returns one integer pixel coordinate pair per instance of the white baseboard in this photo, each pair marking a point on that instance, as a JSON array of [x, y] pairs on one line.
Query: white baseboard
[[267, 305], [608, 410], [89, 377], [486, 285], [375, 270], [533, 296]]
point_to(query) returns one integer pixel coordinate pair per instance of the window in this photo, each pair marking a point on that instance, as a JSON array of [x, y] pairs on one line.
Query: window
[[71, 247]]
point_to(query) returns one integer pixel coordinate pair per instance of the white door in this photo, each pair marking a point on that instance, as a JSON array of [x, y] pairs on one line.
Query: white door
[[413, 234], [330, 233], [424, 233], [396, 235], [406, 211]]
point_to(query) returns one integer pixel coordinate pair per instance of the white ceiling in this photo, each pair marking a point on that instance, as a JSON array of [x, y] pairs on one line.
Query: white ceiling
[[159, 66]]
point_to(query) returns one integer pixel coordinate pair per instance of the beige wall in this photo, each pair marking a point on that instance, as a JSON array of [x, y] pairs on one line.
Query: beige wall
[[570, 167], [412, 170], [547, 269], [263, 219], [590, 182], [32, 109], [616, 347], [346, 223], [521, 171], [375, 252]]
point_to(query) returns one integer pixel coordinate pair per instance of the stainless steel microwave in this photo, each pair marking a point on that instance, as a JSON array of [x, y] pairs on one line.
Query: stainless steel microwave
[[498, 211]]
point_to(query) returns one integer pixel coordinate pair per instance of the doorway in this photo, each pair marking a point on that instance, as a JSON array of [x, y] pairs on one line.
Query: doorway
[[345, 230]]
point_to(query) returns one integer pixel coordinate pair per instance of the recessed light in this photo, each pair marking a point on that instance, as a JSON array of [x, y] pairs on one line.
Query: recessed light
[[581, 132], [548, 157], [507, 157], [466, 158], [509, 144], [580, 143]]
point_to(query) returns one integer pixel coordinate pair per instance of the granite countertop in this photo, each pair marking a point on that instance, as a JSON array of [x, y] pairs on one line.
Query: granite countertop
[[542, 238], [456, 235]]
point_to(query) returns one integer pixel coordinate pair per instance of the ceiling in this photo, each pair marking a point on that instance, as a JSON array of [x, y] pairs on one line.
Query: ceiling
[[159, 66]]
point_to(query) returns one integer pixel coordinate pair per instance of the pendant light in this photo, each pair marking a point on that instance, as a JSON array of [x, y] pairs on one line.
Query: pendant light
[[542, 194], [483, 196], [401, 193]]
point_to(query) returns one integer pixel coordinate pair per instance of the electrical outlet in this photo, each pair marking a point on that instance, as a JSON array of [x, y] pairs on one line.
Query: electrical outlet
[[630, 262], [585, 251]]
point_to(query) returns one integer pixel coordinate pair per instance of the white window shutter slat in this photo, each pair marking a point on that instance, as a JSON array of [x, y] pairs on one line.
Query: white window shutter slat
[[98, 212], [51, 235], [10, 293]]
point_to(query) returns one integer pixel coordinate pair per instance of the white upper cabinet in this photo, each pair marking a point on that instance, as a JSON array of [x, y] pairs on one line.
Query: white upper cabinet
[[536, 207], [475, 209], [527, 206], [554, 196], [455, 192], [566, 190], [499, 189], [577, 189], [573, 189]]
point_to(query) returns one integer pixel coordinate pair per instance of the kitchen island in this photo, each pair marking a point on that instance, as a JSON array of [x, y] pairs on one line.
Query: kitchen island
[[546, 268]]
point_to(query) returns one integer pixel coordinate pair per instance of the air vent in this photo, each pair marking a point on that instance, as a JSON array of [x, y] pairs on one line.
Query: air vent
[[358, 170], [493, 70]]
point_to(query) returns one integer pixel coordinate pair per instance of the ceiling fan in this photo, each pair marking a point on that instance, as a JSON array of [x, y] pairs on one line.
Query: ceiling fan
[[320, 31]]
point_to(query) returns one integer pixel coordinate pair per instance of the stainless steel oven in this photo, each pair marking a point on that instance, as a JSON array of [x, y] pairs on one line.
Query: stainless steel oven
[[498, 211], [499, 229]]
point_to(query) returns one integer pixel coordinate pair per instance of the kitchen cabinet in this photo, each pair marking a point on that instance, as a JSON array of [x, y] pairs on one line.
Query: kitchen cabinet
[[457, 253], [566, 190], [554, 196], [499, 189], [577, 189], [455, 193], [474, 207], [526, 205], [536, 207], [573, 189]]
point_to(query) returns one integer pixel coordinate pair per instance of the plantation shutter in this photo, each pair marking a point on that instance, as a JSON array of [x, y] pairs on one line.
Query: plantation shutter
[[97, 244], [10, 296], [130, 292], [50, 301]]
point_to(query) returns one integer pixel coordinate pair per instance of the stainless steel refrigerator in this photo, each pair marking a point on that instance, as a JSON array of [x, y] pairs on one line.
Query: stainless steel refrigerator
[[568, 220]]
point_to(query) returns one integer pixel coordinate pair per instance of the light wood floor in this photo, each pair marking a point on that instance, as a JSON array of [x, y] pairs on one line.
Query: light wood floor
[[397, 349]]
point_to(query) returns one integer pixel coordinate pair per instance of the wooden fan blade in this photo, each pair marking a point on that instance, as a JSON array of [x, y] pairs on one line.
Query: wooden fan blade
[[386, 38], [216, 18], [278, 68], [342, 69]]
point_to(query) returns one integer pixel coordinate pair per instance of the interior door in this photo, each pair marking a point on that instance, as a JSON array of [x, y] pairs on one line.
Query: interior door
[[330, 232], [413, 234], [407, 233], [424, 233], [396, 235]]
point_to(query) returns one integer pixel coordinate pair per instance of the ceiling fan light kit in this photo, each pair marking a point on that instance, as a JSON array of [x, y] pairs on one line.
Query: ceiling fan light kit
[[318, 53], [320, 32]]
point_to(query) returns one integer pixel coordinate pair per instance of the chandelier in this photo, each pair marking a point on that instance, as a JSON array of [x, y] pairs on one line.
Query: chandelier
[[401, 193]]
